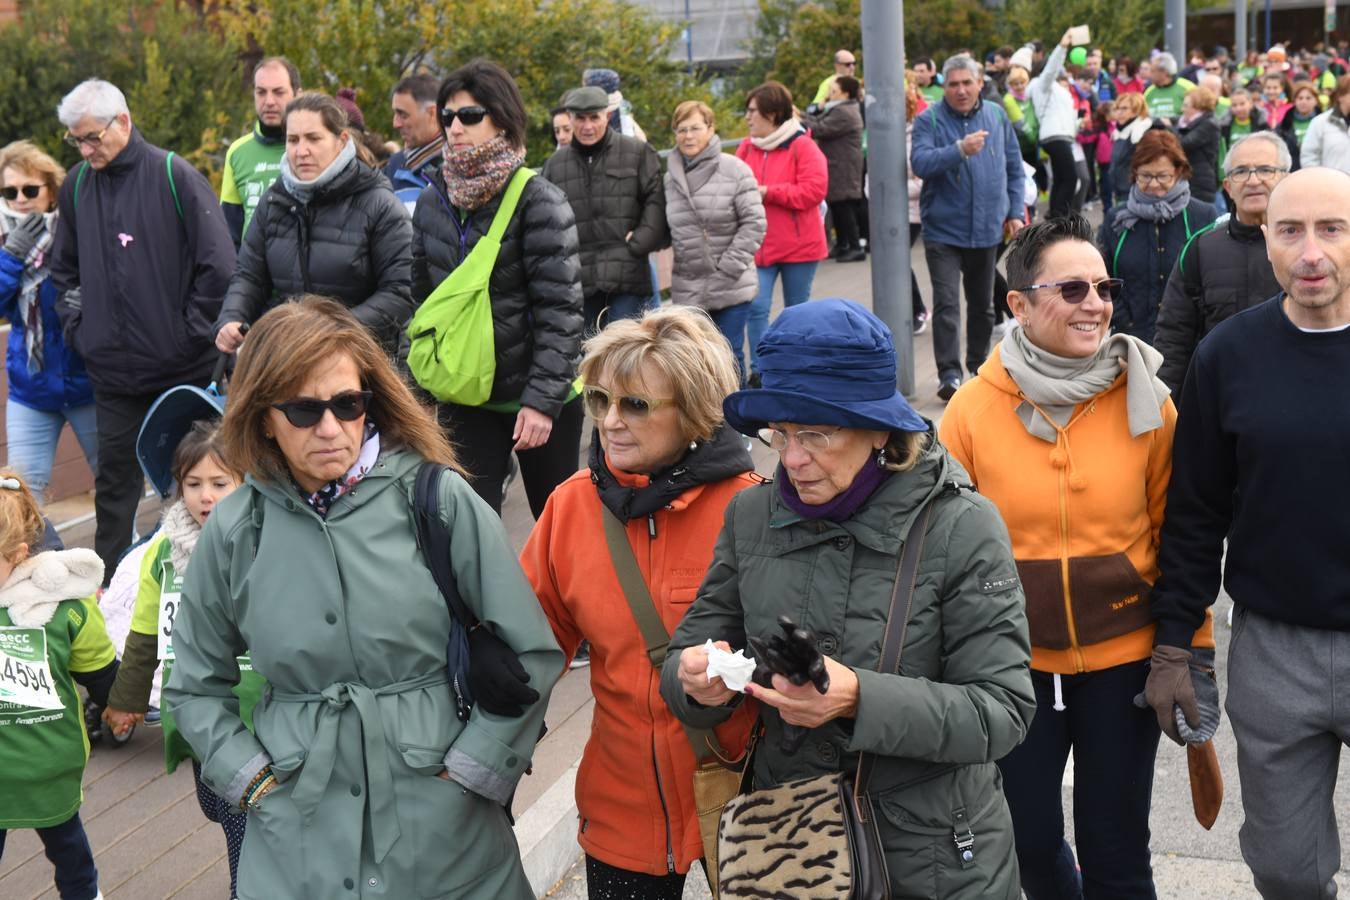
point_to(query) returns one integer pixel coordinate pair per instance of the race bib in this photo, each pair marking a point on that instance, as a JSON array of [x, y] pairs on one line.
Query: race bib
[[25, 676], [168, 612]]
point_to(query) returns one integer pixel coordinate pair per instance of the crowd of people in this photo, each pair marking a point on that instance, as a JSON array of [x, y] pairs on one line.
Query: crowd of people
[[352, 653]]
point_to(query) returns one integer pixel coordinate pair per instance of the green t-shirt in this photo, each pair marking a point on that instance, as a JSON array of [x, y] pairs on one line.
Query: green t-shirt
[[1300, 126], [1240, 128], [43, 745], [251, 165], [931, 94], [1165, 102]]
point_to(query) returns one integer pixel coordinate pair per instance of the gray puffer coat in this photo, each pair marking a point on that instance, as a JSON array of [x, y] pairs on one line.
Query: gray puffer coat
[[715, 226], [838, 130], [351, 242]]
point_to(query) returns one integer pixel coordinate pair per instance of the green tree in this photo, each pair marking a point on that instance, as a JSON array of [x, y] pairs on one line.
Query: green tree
[[1122, 26]]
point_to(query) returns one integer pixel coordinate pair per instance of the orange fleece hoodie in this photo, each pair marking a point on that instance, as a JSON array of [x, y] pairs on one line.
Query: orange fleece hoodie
[[1084, 515]]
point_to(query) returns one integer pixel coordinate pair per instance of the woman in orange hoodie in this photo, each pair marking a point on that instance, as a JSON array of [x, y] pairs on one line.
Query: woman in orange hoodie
[[1069, 433], [664, 466]]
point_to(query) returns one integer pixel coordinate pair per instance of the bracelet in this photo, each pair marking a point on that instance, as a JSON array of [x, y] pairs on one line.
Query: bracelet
[[258, 780], [262, 790]]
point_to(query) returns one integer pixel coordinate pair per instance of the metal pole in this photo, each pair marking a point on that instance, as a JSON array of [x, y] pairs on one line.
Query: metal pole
[[688, 36], [888, 195], [1174, 31], [1240, 31], [1269, 41]]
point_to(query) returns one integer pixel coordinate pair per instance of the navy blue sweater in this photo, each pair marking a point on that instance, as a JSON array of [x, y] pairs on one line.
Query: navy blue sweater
[[1260, 457]]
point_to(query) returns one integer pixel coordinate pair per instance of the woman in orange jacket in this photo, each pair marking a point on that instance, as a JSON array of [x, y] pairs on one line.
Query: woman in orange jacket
[[1069, 433], [664, 466]]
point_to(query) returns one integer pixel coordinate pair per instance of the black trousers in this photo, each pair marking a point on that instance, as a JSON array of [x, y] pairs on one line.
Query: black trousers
[[119, 481], [1114, 744], [1063, 177], [915, 229], [848, 216], [482, 440], [68, 849], [606, 882]]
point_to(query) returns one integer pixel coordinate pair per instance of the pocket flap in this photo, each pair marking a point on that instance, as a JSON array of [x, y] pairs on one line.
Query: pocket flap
[[422, 760]]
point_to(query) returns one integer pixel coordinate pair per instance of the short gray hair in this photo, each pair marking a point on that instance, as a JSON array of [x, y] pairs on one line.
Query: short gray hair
[[1270, 137], [962, 61], [1167, 62], [96, 98]]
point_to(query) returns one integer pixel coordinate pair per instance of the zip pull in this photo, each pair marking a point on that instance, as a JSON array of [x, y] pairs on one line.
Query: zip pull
[[651, 525]]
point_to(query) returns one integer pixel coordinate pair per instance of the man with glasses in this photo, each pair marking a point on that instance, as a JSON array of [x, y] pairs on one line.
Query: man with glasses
[[614, 185], [141, 261], [1223, 269], [845, 63], [254, 161]]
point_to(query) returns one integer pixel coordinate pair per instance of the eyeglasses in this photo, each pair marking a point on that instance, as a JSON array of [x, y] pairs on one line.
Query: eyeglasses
[[93, 140], [812, 442], [751, 111], [29, 190], [1075, 290], [306, 412], [690, 129], [467, 115], [598, 402], [1247, 173], [1151, 178]]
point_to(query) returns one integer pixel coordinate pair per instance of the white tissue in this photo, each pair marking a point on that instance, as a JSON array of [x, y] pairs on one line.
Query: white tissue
[[734, 668]]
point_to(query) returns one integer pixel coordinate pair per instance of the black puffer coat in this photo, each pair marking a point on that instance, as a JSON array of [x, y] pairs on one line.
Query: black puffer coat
[[620, 190], [352, 242], [535, 286], [1200, 139]]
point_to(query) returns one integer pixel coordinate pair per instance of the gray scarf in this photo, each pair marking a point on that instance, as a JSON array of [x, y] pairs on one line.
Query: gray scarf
[[304, 190], [780, 134], [701, 167], [1151, 208], [1054, 385], [35, 272]]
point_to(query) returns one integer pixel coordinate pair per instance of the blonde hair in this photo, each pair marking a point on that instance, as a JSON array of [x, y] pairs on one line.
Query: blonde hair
[[29, 158], [690, 108], [1204, 100], [283, 348], [1133, 104], [904, 449], [20, 517], [683, 344]]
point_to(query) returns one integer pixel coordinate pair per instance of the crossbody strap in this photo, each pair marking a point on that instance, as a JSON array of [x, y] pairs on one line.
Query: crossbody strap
[[653, 630], [510, 200], [434, 539]]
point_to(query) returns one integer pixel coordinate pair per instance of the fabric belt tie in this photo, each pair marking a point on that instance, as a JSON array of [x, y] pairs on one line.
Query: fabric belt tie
[[318, 768]]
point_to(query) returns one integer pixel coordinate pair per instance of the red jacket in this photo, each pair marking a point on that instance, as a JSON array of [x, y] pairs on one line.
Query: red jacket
[[796, 178], [635, 784]]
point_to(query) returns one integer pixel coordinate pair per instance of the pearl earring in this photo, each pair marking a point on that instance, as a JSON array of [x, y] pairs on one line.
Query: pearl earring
[[881, 458], [693, 445]]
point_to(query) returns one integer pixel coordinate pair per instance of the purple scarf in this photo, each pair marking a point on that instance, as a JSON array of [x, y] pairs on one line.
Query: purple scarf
[[842, 507]]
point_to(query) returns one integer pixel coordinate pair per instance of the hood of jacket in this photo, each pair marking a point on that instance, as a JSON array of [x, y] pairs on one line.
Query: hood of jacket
[[632, 496], [38, 584]]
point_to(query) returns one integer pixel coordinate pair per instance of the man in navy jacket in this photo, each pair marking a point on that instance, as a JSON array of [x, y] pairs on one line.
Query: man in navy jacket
[[966, 152], [141, 258]]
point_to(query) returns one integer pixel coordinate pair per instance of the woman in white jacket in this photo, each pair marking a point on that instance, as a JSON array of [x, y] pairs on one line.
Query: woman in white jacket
[[1059, 127], [1327, 142]]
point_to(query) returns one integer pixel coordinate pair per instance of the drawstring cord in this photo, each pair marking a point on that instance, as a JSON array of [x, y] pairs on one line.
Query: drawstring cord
[[1059, 694]]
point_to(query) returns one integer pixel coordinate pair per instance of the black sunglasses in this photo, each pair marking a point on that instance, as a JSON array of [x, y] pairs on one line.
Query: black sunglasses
[[29, 190], [467, 115], [307, 411], [1075, 290]]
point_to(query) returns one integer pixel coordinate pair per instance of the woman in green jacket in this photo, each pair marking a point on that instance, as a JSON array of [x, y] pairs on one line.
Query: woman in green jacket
[[361, 780], [819, 544]]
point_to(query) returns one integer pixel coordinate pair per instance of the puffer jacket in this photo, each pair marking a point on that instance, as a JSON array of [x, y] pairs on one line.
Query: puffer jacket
[[1327, 142], [715, 231], [1084, 514], [614, 192], [1221, 271], [838, 131], [535, 286], [635, 784], [352, 241], [1144, 256], [1200, 139], [795, 178], [964, 691]]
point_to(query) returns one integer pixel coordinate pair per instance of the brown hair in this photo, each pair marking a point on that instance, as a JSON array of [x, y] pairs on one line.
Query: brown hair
[[20, 518], [1159, 144], [283, 348], [690, 108], [202, 440], [774, 101], [680, 342], [1301, 86], [333, 117], [1340, 90], [28, 157]]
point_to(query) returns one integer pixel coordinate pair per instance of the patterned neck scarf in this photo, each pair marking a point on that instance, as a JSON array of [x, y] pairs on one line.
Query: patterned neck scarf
[[323, 499], [35, 271], [475, 175]]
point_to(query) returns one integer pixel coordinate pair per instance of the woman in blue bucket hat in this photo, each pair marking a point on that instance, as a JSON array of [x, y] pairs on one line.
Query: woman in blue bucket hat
[[820, 543]]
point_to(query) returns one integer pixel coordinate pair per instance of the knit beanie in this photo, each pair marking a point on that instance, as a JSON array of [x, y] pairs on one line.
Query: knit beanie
[[346, 98]]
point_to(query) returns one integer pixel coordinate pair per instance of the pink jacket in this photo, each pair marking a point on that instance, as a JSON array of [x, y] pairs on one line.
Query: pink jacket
[[795, 177]]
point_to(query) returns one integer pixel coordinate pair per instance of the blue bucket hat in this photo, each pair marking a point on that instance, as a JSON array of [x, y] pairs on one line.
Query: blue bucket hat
[[826, 362]]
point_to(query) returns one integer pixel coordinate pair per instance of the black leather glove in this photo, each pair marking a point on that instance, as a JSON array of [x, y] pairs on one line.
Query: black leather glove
[[1169, 685], [795, 656], [25, 235], [497, 680]]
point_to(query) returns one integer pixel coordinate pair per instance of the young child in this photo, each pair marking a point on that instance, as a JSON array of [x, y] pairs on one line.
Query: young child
[[203, 481], [51, 636]]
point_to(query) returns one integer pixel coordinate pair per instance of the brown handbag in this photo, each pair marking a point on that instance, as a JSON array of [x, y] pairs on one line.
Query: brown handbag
[[818, 837]]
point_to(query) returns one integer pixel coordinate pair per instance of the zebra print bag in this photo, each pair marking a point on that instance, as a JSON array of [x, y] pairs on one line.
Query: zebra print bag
[[817, 838]]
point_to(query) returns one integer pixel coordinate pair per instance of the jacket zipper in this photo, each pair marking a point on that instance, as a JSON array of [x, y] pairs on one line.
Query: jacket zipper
[[1064, 568], [665, 811]]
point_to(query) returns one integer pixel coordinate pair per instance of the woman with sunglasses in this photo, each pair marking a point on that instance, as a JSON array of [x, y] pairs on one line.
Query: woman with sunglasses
[[1141, 238], [1069, 432], [533, 409], [663, 467], [330, 225], [48, 385], [359, 779]]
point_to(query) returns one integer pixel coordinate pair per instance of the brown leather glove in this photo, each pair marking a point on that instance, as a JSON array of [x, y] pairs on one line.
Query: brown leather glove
[[1169, 684]]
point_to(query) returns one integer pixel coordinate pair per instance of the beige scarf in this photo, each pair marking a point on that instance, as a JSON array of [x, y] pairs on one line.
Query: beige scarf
[[780, 134]]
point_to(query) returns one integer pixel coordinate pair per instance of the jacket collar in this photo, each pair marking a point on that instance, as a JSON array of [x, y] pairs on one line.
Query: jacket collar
[[1248, 233], [392, 467], [631, 496], [130, 157], [974, 110]]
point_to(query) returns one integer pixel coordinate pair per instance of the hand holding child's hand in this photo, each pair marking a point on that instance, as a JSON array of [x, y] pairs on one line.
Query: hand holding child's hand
[[121, 722]]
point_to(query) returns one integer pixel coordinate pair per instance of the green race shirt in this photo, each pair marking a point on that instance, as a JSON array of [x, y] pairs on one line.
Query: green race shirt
[[1165, 102], [43, 745], [932, 94], [251, 165], [1240, 128]]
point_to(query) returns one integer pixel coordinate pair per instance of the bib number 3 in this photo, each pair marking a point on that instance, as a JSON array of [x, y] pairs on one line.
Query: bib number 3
[[168, 612]]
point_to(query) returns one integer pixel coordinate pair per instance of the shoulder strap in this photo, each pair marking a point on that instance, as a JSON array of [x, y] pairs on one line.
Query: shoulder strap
[[649, 623], [1115, 257], [1181, 259], [897, 621], [510, 200], [1186, 222], [434, 539], [173, 188], [79, 178]]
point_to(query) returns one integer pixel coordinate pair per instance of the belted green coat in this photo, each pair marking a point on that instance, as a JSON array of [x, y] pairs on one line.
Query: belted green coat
[[344, 620]]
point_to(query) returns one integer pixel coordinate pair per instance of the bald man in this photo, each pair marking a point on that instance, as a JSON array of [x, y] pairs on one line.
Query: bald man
[[1260, 458]]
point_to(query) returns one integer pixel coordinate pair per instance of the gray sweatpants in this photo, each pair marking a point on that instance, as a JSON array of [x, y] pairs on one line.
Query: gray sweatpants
[[1289, 705]]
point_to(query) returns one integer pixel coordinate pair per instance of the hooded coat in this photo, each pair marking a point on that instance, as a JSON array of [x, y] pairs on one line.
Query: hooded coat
[[964, 685], [1200, 139], [838, 131], [358, 721]]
